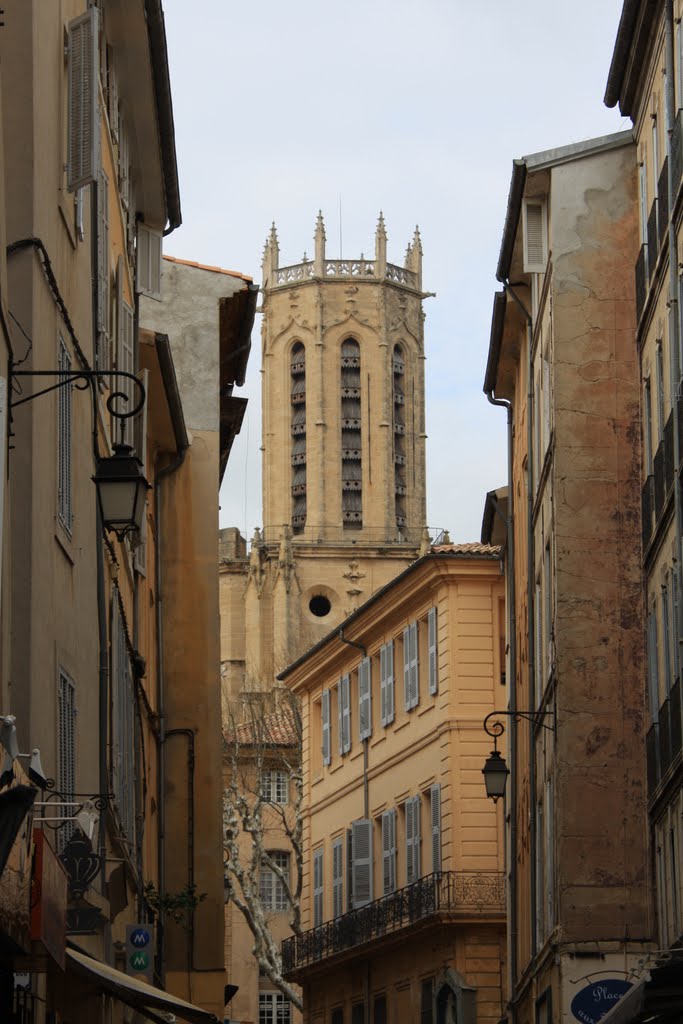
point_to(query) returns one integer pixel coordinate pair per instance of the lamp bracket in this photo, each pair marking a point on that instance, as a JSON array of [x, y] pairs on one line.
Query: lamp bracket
[[83, 379], [497, 728]]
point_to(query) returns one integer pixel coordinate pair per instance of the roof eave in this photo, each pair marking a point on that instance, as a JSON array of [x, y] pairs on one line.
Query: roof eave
[[164, 104], [515, 195]]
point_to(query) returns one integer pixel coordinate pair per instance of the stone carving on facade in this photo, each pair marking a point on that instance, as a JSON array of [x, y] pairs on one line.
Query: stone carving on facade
[[257, 569], [354, 573], [285, 567]]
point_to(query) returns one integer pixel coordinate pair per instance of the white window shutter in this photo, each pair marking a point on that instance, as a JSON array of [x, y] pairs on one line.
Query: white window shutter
[[406, 669], [433, 653], [345, 684], [435, 809], [365, 698], [361, 842], [410, 667], [338, 878], [535, 237], [325, 713], [150, 245], [340, 715], [391, 685], [383, 683], [389, 851], [416, 840], [317, 888], [83, 124], [410, 841]]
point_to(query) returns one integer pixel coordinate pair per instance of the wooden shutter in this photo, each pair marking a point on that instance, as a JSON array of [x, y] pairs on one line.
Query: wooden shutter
[[365, 698], [389, 851], [83, 122], [140, 445], [432, 648], [412, 809], [383, 684], [406, 669], [317, 888], [410, 676], [325, 713], [391, 684], [103, 354], [435, 814], [361, 839], [535, 237], [345, 711], [124, 164], [149, 261], [340, 716], [338, 877], [538, 633], [113, 95], [349, 869]]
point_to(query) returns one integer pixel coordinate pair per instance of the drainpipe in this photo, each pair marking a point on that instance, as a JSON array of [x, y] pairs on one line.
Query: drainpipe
[[674, 313], [531, 646], [512, 700]]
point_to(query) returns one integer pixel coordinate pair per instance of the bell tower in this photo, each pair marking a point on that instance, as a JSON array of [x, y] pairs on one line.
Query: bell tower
[[343, 443]]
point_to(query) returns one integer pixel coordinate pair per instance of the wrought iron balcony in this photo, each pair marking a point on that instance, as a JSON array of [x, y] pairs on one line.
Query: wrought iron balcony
[[447, 894]]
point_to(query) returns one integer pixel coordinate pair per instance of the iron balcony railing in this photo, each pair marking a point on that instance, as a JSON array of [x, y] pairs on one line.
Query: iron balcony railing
[[446, 892]]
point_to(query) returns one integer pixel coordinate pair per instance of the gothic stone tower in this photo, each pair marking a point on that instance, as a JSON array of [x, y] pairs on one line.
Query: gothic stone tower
[[343, 452]]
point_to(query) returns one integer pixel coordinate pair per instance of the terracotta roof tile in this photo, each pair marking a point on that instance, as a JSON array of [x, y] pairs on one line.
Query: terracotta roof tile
[[205, 266], [473, 548], [277, 729]]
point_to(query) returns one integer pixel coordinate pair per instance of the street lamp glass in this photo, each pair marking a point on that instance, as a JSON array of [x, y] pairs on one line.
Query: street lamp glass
[[495, 773], [121, 490]]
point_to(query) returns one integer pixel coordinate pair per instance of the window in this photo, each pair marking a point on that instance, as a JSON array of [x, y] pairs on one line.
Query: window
[[361, 860], [351, 455], [338, 877], [642, 180], [655, 155], [427, 1002], [325, 715], [386, 682], [653, 663], [666, 645], [432, 650], [318, 882], [535, 237], [388, 823], [344, 713], [123, 722], [647, 401], [412, 823], [538, 641], [540, 874], [298, 428], [274, 786], [400, 486], [272, 891], [379, 1013], [358, 1013], [125, 355], [64, 494], [435, 815], [83, 128], [148, 265], [365, 698], [411, 691], [337, 1016], [273, 1008], [549, 858], [66, 747]]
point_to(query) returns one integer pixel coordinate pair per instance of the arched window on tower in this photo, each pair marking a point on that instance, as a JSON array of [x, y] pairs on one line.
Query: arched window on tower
[[351, 467], [298, 401], [399, 437]]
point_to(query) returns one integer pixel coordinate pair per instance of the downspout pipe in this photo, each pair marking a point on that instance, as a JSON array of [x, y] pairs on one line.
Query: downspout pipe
[[674, 316], [512, 700], [531, 645]]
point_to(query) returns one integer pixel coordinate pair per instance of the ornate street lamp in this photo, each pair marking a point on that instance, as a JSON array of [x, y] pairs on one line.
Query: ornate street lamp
[[495, 770], [495, 773]]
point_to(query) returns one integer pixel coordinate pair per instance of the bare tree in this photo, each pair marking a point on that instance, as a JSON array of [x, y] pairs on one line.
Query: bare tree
[[262, 810]]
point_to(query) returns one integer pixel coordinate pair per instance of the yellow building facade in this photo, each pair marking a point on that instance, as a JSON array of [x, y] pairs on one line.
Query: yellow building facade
[[403, 905]]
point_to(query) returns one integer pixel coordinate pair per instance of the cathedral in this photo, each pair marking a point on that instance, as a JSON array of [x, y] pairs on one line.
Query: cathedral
[[343, 449]]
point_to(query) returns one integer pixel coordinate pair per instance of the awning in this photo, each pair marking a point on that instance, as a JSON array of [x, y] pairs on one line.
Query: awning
[[656, 998], [133, 992]]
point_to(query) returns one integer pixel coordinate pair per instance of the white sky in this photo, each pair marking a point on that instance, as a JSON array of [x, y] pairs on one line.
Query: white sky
[[415, 108]]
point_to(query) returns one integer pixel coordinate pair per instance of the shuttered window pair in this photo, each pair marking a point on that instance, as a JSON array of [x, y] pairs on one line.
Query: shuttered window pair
[[386, 683], [365, 698], [344, 713], [83, 118], [64, 433], [411, 688]]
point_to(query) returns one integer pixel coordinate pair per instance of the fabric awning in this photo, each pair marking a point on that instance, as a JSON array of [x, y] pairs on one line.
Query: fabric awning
[[133, 992]]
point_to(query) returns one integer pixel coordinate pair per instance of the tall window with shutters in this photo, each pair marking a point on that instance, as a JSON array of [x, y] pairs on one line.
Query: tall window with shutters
[[148, 261], [83, 118], [365, 698], [66, 748], [64, 436], [388, 824], [653, 663], [344, 713], [298, 429], [361, 861], [318, 890], [432, 650], [351, 460], [412, 834], [411, 691], [386, 683], [435, 821], [325, 726], [535, 224], [338, 876]]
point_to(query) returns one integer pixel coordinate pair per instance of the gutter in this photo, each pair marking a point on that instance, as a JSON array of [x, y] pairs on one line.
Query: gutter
[[156, 30], [495, 343], [514, 208]]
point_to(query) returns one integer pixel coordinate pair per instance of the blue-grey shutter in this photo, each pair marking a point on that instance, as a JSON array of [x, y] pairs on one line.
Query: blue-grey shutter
[[365, 698], [317, 888], [435, 809], [383, 683], [412, 810], [345, 684], [432, 648], [391, 684], [406, 669], [389, 851], [338, 877], [410, 668], [340, 715], [361, 840], [325, 713], [83, 119], [149, 261]]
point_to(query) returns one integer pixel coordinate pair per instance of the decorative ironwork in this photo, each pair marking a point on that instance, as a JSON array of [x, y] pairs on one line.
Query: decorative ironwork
[[496, 729], [446, 892], [82, 864]]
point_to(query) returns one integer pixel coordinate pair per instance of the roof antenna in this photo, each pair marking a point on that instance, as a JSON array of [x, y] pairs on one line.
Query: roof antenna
[[340, 227]]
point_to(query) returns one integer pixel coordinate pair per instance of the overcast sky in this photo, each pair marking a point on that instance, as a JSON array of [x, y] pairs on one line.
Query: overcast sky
[[415, 108]]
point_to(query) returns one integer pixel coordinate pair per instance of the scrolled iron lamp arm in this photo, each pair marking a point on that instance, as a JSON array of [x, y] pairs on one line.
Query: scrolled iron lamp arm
[[496, 728]]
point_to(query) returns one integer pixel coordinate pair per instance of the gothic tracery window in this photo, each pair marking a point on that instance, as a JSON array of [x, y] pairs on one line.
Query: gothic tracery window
[[298, 402]]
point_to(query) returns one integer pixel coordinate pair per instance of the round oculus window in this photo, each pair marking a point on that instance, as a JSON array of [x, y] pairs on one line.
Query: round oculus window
[[320, 606]]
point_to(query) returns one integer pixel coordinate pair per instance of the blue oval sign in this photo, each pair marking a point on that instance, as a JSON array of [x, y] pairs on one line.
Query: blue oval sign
[[592, 1003], [139, 937]]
